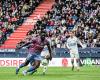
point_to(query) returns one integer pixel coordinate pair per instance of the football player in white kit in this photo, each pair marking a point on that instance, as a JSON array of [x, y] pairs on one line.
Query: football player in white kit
[[72, 42]]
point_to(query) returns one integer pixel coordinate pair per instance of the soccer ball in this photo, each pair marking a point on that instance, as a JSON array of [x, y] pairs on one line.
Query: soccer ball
[[44, 62]]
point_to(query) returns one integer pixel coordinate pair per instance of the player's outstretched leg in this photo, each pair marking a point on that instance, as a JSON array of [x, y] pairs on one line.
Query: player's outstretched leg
[[33, 71], [21, 66], [18, 68], [32, 68]]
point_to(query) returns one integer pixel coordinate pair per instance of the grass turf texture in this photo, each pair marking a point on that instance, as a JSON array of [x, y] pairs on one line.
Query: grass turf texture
[[53, 73]]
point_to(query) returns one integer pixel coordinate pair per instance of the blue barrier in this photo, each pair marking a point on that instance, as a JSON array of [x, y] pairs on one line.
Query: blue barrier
[[59, 52]]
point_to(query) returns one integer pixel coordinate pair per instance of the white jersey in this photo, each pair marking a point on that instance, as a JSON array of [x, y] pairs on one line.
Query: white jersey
[[45, 52], [72, 44]]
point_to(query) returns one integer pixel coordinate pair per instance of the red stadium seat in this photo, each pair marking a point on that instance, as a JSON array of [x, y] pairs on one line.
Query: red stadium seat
[[21, 32]]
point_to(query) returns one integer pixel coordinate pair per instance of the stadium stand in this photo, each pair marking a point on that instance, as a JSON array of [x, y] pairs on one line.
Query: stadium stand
[[22, 30], [82, 16], [13, 13]]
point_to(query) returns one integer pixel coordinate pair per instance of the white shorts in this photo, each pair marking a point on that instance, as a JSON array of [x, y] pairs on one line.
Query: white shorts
[[74, 54]]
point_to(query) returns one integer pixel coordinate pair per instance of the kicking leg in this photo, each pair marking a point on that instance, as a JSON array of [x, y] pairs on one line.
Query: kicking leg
[[28, 58], [33, 68], [22, 65]]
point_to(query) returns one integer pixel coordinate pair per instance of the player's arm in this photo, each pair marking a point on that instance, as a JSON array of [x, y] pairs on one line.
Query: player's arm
[[67, 45], [25, 44], [20, 46], [50, 52]]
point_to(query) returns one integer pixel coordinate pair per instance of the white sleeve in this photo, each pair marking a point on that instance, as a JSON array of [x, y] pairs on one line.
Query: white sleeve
[[67, 44]]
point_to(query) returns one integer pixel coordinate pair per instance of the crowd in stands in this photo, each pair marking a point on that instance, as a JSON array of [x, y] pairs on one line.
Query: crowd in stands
[[13, 13], [82, 16]]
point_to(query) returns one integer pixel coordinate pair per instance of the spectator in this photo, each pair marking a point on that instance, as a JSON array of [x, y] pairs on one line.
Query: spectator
[[13, 13]]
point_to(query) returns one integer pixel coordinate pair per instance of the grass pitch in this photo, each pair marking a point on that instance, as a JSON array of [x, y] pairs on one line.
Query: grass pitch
[[53, 73]]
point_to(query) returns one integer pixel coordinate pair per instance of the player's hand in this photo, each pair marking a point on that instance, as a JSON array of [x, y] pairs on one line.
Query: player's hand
[[50, 58], [17, 48], [68, 50]]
